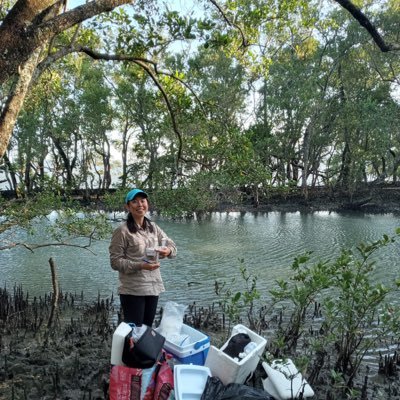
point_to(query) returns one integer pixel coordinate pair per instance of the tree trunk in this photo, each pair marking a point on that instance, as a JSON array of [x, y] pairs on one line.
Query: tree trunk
[[68, 165], [345, 169], [13, 179], [26, 29], [125, 143], [31, 23], [396, 165], [306, 156], [15, 100]]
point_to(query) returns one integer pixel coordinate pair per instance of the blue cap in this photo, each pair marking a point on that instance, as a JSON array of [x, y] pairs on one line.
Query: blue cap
[[133, 193]]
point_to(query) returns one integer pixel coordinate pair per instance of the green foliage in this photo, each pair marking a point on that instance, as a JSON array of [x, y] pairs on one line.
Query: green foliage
[[296, 295], [280, 92], [114, 201], [326, 316], [52, 217], [24, 212], [71, 225], [356, 311], [183, 202], [357, 314], [234, 302]]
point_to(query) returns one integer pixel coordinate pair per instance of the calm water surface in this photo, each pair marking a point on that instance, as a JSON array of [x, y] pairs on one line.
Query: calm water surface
[[210, 250]]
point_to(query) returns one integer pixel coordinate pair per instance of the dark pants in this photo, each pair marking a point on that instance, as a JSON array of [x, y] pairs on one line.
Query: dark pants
[[139, 309]]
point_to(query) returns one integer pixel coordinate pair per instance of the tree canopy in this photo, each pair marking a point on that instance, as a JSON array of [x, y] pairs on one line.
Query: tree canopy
[[230, 94]]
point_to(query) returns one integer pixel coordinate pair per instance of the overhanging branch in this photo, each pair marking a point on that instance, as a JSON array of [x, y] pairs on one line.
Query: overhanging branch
[[151, 69], [364, 21]]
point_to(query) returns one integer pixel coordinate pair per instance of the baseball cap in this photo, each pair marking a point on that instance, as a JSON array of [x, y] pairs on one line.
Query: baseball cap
[[133, 193]]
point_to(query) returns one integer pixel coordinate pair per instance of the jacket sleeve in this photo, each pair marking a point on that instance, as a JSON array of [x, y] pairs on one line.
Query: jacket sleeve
[[117, 250]]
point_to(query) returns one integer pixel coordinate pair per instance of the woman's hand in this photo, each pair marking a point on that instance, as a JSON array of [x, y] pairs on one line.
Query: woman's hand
[[163, 251], [148, 266]]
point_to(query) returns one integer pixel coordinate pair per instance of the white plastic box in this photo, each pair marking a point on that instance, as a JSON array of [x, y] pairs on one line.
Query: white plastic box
[[190, 381], [230, 370], [194, 348]]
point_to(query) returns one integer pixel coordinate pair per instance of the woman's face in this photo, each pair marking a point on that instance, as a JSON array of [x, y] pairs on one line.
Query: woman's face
[[138, 207]]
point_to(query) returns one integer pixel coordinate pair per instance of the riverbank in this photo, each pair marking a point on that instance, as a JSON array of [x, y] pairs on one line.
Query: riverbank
[[367, 199], [71, 358]]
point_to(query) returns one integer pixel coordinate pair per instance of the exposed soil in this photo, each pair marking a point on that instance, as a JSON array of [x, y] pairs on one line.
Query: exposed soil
[[71, 359]]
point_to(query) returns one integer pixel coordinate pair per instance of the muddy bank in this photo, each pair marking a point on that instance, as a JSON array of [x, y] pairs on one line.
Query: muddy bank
[[70, 359], [367, 199]]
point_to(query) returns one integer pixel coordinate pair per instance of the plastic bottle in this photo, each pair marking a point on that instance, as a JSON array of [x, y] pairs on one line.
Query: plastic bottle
[[247, 349], [137, 331], [250, 347]]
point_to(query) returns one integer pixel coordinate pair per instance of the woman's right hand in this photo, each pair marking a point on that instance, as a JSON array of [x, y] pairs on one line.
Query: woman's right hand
[[150, 266]]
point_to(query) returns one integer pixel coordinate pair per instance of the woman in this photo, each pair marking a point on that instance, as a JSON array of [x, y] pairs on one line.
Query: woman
[[139, 275]]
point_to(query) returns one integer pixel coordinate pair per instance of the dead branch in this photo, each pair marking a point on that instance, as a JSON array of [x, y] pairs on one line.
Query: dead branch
[[54, 281], [33, 247]]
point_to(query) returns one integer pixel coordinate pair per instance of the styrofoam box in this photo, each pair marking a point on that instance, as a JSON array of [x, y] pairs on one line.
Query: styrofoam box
[[194, 349], [230, 370], [118, 341]]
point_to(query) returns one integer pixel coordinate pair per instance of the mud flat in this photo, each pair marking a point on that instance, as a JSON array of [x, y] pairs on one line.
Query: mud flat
[[70, 359]]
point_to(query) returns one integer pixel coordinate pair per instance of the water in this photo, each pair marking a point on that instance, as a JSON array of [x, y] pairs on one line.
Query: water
[[210, 250]]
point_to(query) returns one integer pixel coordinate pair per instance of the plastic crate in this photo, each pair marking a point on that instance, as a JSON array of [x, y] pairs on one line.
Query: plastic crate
[[230, 370], [194, 348]]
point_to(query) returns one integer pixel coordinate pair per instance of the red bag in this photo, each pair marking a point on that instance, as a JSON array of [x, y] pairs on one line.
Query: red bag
[[164, 382], [125, 383], [132, 383], [142, 384]]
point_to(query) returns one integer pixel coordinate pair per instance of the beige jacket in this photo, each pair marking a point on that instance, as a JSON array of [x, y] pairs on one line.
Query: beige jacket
[[127, 251]]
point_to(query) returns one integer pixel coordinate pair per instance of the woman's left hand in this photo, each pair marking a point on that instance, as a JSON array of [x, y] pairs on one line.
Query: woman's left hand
[[164, 252]]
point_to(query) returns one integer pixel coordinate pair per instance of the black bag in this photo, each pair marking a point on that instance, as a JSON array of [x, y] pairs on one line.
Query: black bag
[[145, 352], [237, 344], [216, 390]]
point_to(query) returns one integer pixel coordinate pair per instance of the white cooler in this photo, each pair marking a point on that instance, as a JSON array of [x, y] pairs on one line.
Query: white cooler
[[228, 369]]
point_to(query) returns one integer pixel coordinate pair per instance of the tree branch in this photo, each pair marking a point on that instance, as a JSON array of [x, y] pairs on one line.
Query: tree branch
[[245, 42], [143, 63], [23, 30], [33, 247], [75, 16], [364, 21], [56, 291]]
